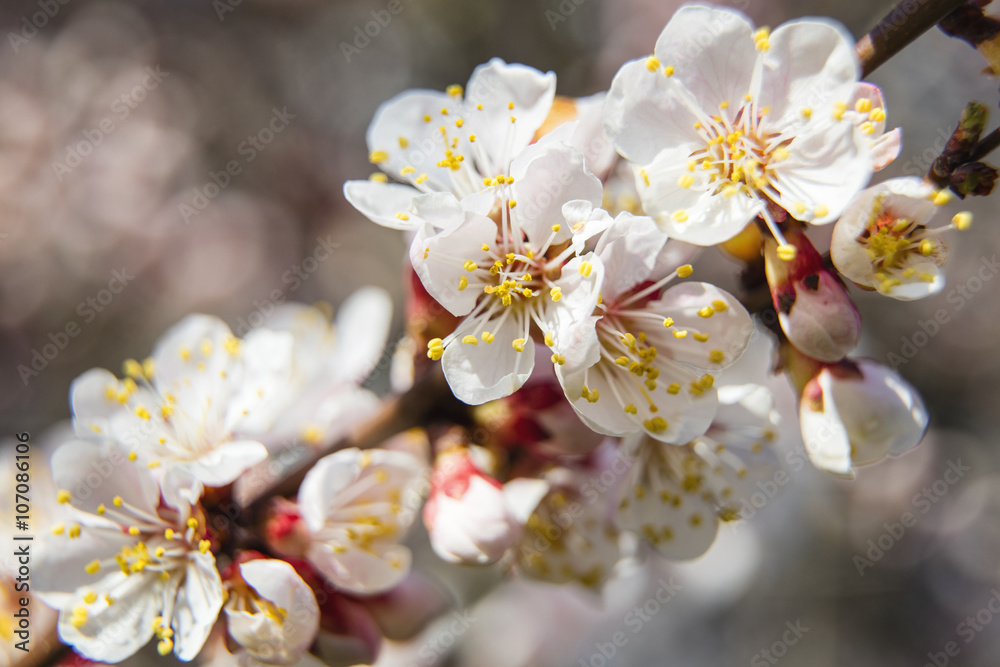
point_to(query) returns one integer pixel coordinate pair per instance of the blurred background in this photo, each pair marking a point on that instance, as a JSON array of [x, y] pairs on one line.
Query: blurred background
[[165, 157]]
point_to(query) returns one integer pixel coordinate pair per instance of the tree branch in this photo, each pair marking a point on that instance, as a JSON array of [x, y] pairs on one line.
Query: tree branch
[[905, 23]]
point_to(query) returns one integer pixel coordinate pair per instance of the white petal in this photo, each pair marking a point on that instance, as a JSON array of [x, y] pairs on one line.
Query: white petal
[[277, 582], [694, 214], [438, 260], [543, 181], [629, 251], [477, 528], [91, 402], [114, 633], [487, 371], [266, 360], [645, 114], [712, 53], [399, 129], [590, 138], [96, 472], [359, 571], [362, 329], [571, 320], [810, 63], [197, 606], [383, 202], [495, 85], [225, 462]]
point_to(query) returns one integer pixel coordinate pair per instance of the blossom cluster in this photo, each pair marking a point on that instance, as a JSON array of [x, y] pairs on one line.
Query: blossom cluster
[[613, 405]]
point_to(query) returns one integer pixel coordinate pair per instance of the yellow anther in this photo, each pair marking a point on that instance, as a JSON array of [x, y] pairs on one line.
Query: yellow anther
[[518, 344], [585, 269], [192, 523], [685, 270], [134, 531], [512, 204], [807, 113], [132, 369], [459, 122], [821, 211], [867, 128], [556, 293], [168, 533], [378, 177], [64, 496], [93, 567], [550, 338], [469, 265], [204, 546], [941, 198], [558, 359], [420, 179], [159, 552], [877, 115], [142, 413], [631, 409], [487, 181], [101, 509], [556, 228], [513, 119], [463, 282], [926, 248], [680, 216], [716, 356], [165, 646], [470, 340], [674, 388], [117, 501], [680, 333], [668, 321], [838, 110], [706, 312], [58, 529], [723, 105], [488, 337], [376, 157], [74, 531], [652, 63], [685, 181], [962, 221], [655, 425], [701, 337], [668, 70], [864, 105], [787, 252], [402, 216]]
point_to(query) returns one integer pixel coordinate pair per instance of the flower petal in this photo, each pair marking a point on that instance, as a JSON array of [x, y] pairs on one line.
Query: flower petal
[[382, 203]]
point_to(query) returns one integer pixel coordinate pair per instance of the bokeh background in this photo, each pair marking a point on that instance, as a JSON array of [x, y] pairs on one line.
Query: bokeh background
[[114, 117]]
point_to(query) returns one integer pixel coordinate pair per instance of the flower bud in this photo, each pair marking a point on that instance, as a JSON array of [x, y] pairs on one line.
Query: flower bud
[[858, 412], [471, 517], [813, 307]]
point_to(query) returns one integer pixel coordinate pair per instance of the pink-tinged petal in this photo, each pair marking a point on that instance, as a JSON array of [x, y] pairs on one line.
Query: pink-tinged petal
[[197, 606], [484, 371], [387, 204], [400, 136], [886, 148], [438, 260], [476, 528], [494, 86], [645, 113], [711, 51]]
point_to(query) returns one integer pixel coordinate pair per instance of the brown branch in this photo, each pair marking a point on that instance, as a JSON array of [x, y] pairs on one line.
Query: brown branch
[[986, 145], [428, 399], [900, 27]]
